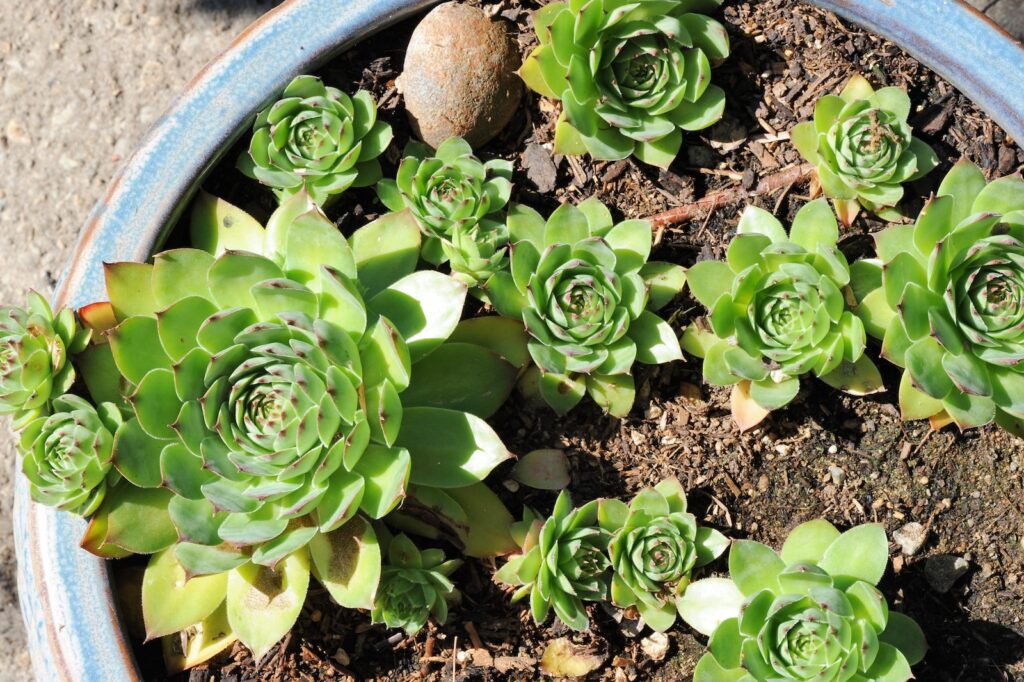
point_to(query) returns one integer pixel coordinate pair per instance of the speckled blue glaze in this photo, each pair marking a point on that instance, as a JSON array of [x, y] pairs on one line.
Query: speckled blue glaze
[[958, 43], [74, 631]]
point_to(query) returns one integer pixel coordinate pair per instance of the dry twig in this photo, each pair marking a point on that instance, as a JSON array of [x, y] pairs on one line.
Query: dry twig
[[707, 204]]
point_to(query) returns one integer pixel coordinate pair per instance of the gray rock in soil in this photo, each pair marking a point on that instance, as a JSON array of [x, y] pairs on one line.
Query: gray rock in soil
[[943, 570], [540, 169], [910, 537]]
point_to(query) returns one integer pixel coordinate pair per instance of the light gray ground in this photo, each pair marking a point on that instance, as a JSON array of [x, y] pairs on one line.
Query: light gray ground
[[80, 82]]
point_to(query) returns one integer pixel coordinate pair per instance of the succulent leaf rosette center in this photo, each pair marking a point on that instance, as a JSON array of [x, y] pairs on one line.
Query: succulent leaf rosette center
[[789, 316], [986, 293], [578, 306], [286, 420], [868, 146], [652, 558], [808, 637]]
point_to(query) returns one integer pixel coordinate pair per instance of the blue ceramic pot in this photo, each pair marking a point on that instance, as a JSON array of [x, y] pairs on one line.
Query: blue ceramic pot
[[74, 630]]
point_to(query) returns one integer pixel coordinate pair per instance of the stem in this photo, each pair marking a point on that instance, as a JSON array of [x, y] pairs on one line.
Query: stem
[[706, 205]]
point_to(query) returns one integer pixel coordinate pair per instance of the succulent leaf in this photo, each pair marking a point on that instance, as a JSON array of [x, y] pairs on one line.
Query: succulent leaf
[[171, 602], [199, 643], [347, 562], [448, 448], [263, 604]]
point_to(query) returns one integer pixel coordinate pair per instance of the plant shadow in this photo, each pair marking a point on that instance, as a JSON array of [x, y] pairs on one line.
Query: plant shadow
[[960, 648]]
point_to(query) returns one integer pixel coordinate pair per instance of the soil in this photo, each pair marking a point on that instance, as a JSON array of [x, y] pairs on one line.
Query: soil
[[850, 460]]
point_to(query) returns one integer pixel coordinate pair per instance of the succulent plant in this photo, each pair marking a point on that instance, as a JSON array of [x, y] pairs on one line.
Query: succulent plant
[[861, 144], [414, 585], [777, 310], [631, 76], [946, 296], [811, 612], [316, 138], [265, 391], [275, 412], [35, 352], [586, 293], [457, 201], [66, 454], [655, 546], [562, 563]]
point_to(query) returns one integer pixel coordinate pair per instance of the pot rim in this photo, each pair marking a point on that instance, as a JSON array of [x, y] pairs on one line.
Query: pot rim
[[73, 628]]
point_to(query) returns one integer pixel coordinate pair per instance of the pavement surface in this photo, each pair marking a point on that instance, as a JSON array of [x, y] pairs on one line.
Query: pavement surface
[[80, 82]]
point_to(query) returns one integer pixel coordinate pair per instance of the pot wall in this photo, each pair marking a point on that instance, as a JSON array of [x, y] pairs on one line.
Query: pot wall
[[73, 628]]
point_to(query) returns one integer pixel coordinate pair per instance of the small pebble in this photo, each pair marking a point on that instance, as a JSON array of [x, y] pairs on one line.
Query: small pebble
[[837, 474], [655, 645], [910, 537]]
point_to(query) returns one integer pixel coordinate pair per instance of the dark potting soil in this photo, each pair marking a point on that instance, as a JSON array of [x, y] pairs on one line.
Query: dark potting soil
[[850, 460]]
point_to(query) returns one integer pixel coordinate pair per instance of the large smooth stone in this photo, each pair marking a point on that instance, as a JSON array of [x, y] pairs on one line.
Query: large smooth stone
[[459, 77]]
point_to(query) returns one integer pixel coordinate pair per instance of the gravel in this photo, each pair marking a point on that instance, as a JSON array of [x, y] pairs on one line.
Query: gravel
[[79, 84]]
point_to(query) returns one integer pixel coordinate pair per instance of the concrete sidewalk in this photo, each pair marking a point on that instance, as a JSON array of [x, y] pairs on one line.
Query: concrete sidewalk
[[79, 84]]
